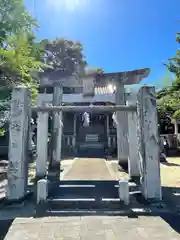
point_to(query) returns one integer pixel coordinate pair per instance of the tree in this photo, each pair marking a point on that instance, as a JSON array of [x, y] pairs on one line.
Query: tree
[[14, 18], [17, 62], [19, 53], [169, 97], [63, 55], [174, 63]]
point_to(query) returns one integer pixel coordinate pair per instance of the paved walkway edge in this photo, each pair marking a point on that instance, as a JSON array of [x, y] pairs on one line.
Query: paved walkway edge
[[111, 170], [64, 173]]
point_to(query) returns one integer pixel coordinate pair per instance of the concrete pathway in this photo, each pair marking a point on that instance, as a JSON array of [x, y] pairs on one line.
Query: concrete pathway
[[89, 169], [94, 227]]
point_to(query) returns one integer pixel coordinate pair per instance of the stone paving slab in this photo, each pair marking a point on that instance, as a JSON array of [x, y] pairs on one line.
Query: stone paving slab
[[89, 169], [96, 227]]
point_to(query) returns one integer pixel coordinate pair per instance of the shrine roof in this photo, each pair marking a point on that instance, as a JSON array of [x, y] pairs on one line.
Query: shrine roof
[[126, 78]]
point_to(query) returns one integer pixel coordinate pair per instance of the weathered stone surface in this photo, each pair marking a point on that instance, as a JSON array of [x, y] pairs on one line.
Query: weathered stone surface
[[133, 159], [74, 133], [92, 227], [18, 143], [42, 143], [124, 191], [148, 143], [42, 190], [57, 126], [59, 137], [122, 125]]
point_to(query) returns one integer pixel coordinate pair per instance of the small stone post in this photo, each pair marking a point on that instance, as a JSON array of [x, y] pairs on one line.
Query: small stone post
[[148, 143], [18, 143], [42, 144], [124, 191], [133, 159], [42, 191], [122, 125]]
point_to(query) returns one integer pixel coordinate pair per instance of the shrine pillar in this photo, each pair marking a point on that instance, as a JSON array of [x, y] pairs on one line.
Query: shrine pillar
[[74, 133], [122, 125], [108, 131], [133, 158], [148, 143], [18, 144], [57, 129]]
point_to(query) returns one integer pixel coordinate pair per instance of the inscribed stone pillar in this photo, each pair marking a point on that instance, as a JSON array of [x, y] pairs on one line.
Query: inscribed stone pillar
[[133, 159], [57, 127], [148, 143], [122, 125], [18, 144]]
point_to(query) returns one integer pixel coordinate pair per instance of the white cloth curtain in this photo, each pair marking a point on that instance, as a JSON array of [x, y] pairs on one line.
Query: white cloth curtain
[[85, 119], [115, 122]]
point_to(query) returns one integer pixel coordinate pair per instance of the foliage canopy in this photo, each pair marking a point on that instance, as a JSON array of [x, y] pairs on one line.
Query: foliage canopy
[[169, 97]]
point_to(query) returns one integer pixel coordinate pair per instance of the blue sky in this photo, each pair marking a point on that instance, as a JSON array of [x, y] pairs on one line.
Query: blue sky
[[117, 35]]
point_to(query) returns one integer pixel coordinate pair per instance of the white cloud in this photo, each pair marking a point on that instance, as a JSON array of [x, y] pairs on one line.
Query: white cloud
[[68, 5]]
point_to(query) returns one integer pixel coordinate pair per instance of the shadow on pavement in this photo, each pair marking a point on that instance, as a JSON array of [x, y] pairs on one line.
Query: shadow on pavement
[[171, 195], [4, 227], [173, 220], [170, 164]]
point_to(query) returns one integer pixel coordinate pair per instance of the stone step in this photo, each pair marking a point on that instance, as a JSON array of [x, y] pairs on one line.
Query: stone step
[[85, 203], [92, 138], [82, 192], [123, 211], [91, 145]]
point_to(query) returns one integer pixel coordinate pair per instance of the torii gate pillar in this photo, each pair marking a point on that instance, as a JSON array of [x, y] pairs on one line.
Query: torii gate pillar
[[122, 125]]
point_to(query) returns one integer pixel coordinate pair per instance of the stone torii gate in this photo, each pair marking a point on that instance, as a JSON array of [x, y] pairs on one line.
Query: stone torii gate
[[87, 83], [144, 116]]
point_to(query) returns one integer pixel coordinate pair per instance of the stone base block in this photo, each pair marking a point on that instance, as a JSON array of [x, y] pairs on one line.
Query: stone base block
[[124, 191], [42, 190]]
